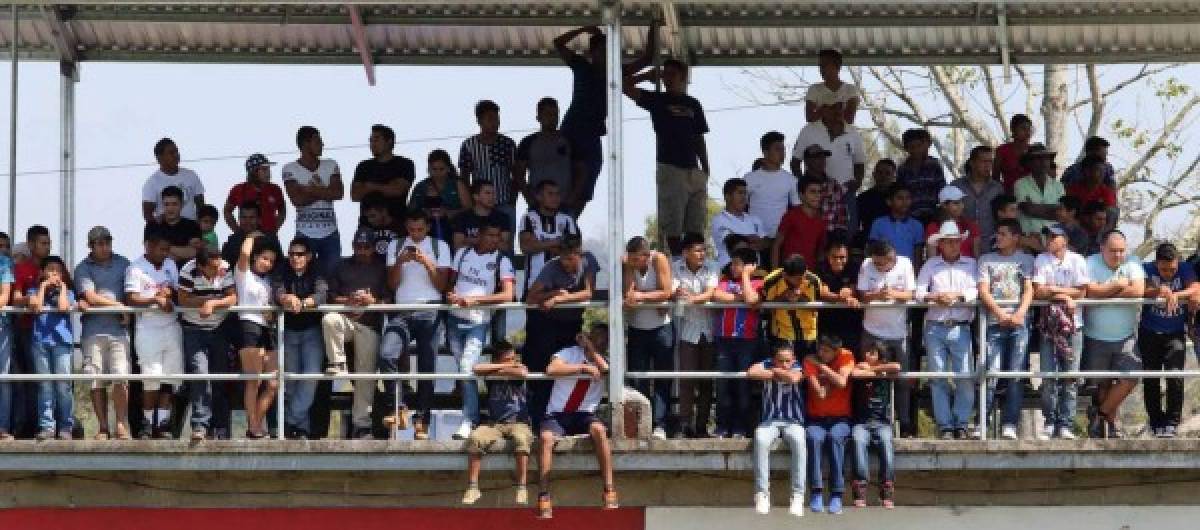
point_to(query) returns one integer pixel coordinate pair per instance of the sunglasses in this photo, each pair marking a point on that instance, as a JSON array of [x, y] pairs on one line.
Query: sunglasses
[[297, 254]]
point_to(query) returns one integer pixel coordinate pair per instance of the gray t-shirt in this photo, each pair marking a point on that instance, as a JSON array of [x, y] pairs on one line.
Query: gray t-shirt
[[108, 280], [554, 277], [548, 157], [1006, 275]]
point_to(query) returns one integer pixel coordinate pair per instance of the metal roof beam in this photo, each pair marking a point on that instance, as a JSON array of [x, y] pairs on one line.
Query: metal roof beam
[[64, 41], [359, 32], [396, 15]]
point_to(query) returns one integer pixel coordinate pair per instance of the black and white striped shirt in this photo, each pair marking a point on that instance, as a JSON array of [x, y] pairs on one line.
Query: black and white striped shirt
[[192, 281], [490, 163]]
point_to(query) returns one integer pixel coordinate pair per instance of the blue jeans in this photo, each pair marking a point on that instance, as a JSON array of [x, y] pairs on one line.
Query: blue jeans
[[327, 251], [733, 396], [1059, 395], [402, 329], [1006, 350], [949, 349], [466, 343], [6, 349], [653, 349], [764, 436], [205, 351], [880, 434], [303, 353], [835, 431], [54, 398]]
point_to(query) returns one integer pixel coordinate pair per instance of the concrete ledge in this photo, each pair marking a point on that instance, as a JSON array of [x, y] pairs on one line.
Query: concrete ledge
[[629, 455]]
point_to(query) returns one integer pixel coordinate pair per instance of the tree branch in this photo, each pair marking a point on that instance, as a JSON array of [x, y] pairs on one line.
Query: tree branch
[[875, 111], [1159, 143], [950, 91], [1030, 93], [1143, 73], [1098, 101], [997, 105]]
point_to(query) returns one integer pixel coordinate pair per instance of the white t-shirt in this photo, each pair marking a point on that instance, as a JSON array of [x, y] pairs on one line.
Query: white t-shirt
[[564, 389], [252, 289], [771, 193], [317, 220], [475, 275], [848, 150], [1072, 271], [185, 179], [544, 227], [819, 91], [887, 323], [415, 284], [145, 279], [726, 223]]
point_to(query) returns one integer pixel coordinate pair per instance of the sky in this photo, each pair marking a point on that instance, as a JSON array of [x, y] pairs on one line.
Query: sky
[[219, 114]]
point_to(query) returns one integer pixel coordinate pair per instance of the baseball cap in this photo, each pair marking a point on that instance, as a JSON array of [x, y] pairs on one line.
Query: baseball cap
[[1054, 229], [364, 235], [816, 150], [255, 160], [950, 193], [98, 233]]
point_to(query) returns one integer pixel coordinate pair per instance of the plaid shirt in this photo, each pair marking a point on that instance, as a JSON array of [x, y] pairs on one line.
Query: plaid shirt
[[833, 205]]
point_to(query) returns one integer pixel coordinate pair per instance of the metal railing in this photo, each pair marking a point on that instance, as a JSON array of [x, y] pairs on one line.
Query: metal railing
[[979, 375]]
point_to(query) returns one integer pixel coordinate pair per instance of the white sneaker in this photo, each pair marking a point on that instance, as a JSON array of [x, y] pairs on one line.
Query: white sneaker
[[1066, 434], [796, 508], [464, 430], [1046, 433], [1008, 432], [762, 503], [659, 434], [974, 433]]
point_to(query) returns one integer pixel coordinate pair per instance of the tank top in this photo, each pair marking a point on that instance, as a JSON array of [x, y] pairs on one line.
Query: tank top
[[645, 282]]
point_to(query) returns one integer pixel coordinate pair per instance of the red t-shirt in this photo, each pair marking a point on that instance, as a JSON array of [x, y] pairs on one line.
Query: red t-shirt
[[1101, 193], [965, 226], [836, 403], [25, 277], [268, 198], [802, 235], [1008, 161]]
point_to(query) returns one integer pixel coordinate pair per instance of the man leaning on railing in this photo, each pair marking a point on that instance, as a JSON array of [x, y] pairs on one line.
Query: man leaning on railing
[[100, 282]]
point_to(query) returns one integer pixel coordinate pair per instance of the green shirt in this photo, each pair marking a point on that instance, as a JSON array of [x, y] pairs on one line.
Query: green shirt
[[1027, 189]]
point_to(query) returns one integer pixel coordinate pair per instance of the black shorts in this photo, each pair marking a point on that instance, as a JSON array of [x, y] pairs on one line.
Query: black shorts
[[255, 335], [569, 423]]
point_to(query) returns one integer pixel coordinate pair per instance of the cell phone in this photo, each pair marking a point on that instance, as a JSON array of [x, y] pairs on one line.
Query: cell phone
[[410, 249]]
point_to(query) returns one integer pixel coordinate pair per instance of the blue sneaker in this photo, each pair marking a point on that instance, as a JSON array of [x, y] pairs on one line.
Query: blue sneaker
[[815, 503], [835, 504]]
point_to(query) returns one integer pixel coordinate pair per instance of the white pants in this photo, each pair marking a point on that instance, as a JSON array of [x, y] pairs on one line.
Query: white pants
[[159, 352]]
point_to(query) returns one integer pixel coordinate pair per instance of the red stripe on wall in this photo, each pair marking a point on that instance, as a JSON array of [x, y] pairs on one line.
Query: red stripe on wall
[[320, 519]]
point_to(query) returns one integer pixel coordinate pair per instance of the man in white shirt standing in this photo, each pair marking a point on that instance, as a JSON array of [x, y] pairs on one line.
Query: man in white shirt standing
[[886, 277], [949, 281], [313, 183], [151, 281], [846, 163], [734, 224], [695, 280], [771, 190], [1060, 277], [482, 276], [170, 174]]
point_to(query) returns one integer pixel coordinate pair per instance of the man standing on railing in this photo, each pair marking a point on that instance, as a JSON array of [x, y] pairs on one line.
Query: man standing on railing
[[418, 269], [100, 282], [206, 284], [948, 280], [1060, 276], [151, 282], [359, 280], [1006, 276], [1110, 331], [888, 278], [1162, 337]]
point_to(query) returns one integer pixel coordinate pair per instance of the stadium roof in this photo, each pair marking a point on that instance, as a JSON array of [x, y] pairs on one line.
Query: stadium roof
[[520, 32]]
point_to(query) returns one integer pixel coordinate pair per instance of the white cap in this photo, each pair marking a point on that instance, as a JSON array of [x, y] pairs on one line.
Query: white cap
[[950, 193]]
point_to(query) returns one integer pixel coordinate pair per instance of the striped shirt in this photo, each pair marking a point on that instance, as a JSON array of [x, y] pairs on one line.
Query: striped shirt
[[194, 283], [782, 401], [736, 322], [490, 163]]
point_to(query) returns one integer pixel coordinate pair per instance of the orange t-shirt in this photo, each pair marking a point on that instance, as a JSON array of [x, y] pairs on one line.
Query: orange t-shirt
[[836, 403]]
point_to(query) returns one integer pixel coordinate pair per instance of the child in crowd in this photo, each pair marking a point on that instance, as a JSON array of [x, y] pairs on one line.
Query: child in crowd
[[828, 420], [509, 419], [802, 229], [736, 330], [208, 216], [50, 349], [873, 421], [793, 283], [782, 417], [1005, 207], [898, 227]]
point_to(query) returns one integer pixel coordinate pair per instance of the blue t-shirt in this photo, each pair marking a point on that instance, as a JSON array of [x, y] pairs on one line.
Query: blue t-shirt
[[1155, 316], [52, 328], [904, 234]]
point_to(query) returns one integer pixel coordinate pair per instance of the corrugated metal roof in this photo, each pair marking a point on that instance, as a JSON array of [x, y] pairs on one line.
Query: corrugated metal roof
[[713, 33]]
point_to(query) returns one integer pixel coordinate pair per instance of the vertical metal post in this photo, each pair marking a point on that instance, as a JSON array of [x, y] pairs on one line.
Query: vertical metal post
[[66, 161], [616, 215], [12, 129], [280, 397], [981, 371]]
